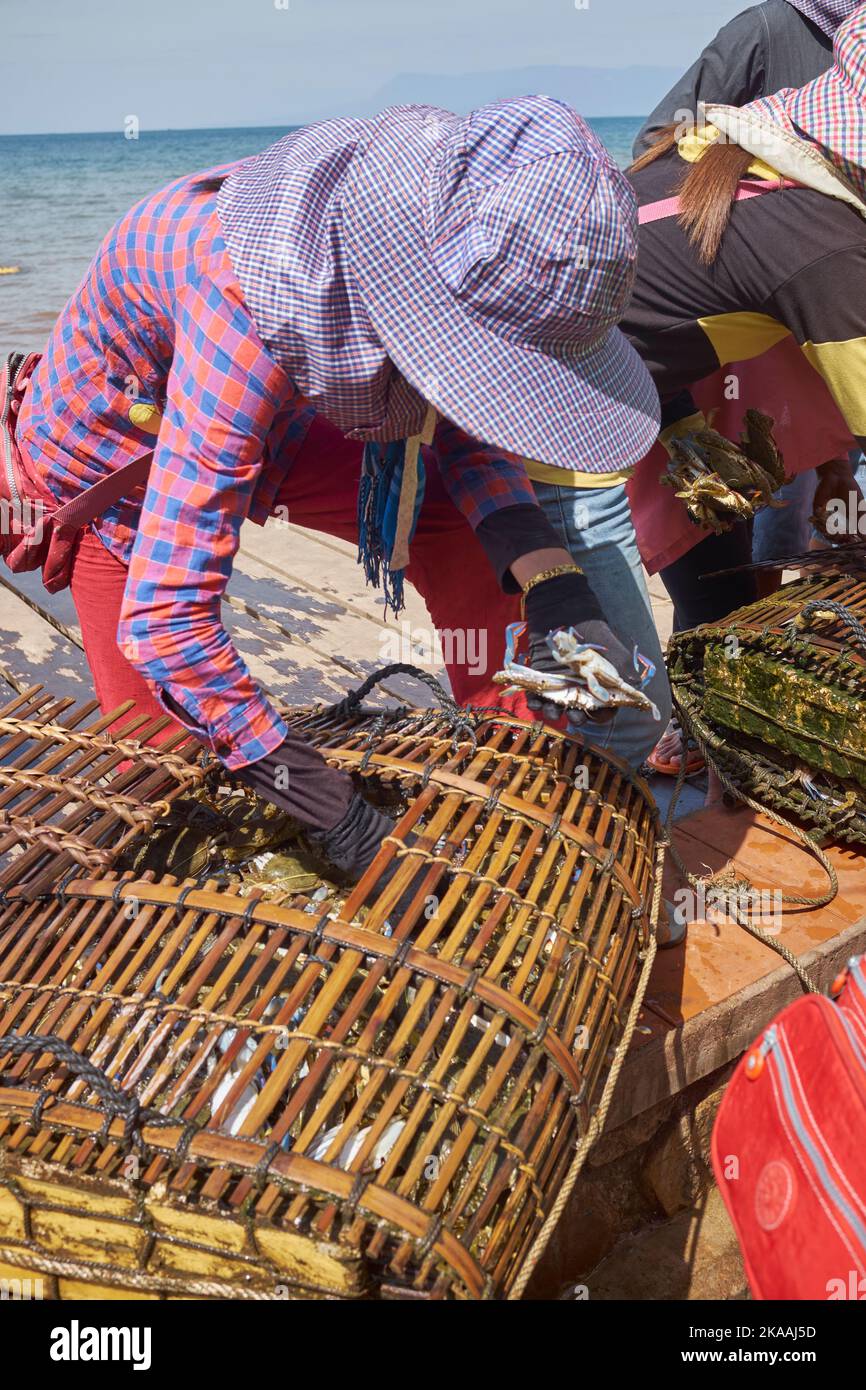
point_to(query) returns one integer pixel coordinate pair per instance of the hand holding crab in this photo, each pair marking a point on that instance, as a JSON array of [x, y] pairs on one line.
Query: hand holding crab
[[721, 481], [575, 666], [583, 679]]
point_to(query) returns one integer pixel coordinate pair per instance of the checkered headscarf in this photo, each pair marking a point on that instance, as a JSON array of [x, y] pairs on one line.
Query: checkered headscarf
[[827, 14], [831, 111], [282, 220]]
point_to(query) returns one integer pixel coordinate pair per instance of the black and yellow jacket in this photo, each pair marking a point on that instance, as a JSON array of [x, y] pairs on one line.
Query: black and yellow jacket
[[792, 261]]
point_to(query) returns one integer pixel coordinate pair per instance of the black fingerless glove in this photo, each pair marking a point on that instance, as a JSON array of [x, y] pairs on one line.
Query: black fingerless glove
[[510, 532], [296, 778], [568, 601], [352, 844]]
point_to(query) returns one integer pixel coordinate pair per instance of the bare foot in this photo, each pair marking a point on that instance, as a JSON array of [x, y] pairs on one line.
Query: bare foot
[[667, 755], [670, 746]]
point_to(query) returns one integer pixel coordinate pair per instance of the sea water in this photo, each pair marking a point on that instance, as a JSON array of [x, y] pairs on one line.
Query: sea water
[[60, 194]]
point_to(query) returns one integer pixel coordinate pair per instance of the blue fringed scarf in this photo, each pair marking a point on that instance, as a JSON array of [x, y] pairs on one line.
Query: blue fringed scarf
[[389, 501]]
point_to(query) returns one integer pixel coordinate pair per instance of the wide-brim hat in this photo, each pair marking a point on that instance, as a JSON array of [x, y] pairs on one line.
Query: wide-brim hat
[[830, 111], [494, 254], [826, 14]]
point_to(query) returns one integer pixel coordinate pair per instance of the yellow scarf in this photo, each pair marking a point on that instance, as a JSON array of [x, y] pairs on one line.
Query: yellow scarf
[[692, 147]]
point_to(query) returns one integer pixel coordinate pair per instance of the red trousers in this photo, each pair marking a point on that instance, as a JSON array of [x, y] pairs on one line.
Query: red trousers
[[447, 566]]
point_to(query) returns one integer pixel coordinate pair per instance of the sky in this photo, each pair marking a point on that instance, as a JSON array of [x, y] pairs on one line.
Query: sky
[[87, 65]]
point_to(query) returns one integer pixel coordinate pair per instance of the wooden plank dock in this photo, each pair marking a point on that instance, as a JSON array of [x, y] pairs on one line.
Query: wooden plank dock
[[334, 630]]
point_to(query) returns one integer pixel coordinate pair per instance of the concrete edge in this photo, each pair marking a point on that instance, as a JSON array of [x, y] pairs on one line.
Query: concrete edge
[[668, 1064]]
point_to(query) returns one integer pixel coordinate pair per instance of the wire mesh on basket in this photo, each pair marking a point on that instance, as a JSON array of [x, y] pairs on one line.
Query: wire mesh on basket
[[776, 695], [376, 1095]]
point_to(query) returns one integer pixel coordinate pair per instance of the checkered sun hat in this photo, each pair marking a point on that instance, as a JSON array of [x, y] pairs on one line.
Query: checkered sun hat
[[827, 14], [479, 264], [831, 110]]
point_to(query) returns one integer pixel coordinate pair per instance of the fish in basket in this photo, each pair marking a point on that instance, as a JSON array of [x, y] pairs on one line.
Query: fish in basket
[[222, 1076], [775, 695]]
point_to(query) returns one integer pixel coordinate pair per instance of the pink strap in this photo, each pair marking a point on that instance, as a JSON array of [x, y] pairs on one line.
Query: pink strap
[[654, 212], [748, 188], [95, 499]]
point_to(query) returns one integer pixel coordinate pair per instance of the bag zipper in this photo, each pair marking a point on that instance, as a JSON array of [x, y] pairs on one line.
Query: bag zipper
[[842, 1036], [811, 1148], [13, 366]]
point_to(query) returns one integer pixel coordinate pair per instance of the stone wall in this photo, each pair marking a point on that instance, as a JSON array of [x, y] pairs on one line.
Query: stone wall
[[645, 1220]]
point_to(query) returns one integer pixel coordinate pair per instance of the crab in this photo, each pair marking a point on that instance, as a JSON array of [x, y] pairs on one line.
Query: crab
[[710, 502], [758, 443], [603, 681], [719, 480], [588, 682]]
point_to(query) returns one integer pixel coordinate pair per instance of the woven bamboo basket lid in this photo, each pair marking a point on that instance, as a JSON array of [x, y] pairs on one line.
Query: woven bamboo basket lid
[[309, 1097], [775, 694]]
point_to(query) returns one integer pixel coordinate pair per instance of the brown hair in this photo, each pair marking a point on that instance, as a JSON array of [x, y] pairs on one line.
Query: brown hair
[[706, 191], [210, 185]]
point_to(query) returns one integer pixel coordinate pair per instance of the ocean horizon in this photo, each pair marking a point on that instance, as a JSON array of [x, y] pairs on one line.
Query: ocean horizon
[[60, 194]]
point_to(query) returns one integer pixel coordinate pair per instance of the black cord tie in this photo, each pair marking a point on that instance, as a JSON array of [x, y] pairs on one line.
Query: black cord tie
[[184, 893], [317, 935], [182, 1147], [460, 721], [260, 1176], [118, 1104], [817, 606]]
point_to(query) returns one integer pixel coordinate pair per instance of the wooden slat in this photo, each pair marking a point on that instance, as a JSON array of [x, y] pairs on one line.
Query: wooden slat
[[324, 656], [324, 566], [313, 585], [332, 644], [32, 651]]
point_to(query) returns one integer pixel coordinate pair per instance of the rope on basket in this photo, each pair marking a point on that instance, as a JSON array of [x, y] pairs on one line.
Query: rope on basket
[[30, 1256], [695, 881], [821, 606], [117, 1104], [596, 1124], [459, 720]]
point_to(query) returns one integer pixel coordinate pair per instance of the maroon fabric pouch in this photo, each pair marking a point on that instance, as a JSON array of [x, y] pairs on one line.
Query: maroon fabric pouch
[[34, 532]]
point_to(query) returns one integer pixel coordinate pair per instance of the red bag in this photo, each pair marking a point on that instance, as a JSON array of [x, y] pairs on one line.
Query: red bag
[[789, 1148], [34, 531]]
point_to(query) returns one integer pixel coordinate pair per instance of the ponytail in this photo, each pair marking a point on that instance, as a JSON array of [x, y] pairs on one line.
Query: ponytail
[[210, 185], [706, 192]]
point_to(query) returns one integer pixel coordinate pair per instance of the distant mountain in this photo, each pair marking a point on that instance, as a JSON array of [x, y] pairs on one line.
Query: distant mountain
[[631, 91]]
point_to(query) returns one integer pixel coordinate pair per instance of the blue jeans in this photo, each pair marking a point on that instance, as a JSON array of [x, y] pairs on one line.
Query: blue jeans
[[596, 527], [777, 532]]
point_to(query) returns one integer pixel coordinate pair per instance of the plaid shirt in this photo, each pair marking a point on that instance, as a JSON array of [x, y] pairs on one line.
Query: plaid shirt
[[831, 110], [827, 14], [159, 320]]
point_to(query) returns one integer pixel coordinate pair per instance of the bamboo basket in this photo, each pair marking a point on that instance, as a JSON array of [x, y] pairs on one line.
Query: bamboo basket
[[775, 694], [209, 1095]]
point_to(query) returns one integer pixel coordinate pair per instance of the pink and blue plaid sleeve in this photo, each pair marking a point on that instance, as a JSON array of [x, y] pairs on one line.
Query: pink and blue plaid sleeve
[[478, 478], [223, 392]]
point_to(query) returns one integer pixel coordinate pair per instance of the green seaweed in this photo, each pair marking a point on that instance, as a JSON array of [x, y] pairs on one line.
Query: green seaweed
[[806, 717]]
